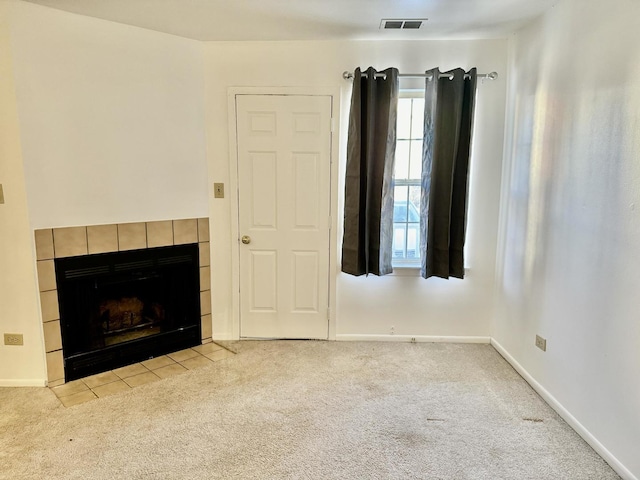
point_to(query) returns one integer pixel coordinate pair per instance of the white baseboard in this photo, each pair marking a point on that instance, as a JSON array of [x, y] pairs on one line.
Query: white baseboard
[[348, 337], [224, 337], [566, 416], [23, 382]]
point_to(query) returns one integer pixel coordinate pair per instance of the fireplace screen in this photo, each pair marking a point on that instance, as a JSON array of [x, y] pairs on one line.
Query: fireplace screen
[[124, 307]]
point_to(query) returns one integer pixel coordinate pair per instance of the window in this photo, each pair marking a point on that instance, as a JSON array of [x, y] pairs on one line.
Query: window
[[407, 179]]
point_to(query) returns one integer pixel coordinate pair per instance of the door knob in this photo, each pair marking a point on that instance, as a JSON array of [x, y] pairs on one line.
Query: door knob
[[246, 239]]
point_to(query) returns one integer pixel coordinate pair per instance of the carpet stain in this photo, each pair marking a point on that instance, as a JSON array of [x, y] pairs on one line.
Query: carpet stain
[[411, 438], [533, 420]]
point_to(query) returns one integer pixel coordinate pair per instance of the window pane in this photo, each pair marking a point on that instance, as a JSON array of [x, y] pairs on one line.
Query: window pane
[[414, 204], [400, 204], [417, 118], [399, 236], [403, 127], [413, 227], [415, 160], [413, 240], [402, 160], [401, 194]]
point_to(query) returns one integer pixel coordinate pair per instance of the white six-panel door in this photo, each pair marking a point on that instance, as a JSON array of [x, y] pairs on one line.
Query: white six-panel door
[[284, 157]]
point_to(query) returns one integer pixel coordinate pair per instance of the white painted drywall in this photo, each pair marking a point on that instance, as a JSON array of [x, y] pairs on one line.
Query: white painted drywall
[[112, 120], [366, 306], [19, 311], [101, 123], [570, 226]]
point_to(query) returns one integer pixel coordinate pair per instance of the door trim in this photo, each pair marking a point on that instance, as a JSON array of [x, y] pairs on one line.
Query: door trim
[[334, 93]]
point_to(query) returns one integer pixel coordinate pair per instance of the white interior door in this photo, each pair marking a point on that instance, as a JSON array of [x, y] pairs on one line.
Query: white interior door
[[284, 157]]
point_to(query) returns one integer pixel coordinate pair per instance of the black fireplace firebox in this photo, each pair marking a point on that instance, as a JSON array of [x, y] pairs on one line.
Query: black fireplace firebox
[[125, 307]]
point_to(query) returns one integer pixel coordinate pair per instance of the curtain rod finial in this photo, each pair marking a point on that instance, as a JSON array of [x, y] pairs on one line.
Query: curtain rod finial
[[347, 75], [493, 75]]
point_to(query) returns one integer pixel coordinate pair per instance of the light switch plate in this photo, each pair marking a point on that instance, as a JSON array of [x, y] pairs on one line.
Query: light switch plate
[[218, 190]]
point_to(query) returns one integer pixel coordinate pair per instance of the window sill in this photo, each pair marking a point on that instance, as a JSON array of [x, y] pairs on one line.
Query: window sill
[[406, 271], [412, 271]]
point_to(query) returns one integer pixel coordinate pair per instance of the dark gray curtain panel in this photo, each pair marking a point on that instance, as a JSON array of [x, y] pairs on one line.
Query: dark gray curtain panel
[[448, 123], [368, 208]]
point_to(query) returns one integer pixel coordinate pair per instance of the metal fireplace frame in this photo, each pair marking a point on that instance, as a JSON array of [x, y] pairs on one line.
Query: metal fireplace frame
[[78, 276]]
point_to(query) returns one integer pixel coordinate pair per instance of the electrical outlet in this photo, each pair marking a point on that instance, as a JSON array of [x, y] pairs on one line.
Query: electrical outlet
[[13, 339], [541, 343], [218, 190]]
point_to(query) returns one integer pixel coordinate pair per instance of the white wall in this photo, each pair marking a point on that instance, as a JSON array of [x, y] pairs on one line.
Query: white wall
[[571, 225], [19, 311], [112, 120], [412, 305], [101, 123]]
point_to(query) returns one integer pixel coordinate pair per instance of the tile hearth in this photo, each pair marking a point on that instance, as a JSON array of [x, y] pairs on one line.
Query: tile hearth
[[137, 374]]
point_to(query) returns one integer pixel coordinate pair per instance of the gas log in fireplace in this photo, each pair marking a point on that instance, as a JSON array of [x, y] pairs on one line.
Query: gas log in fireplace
[[124, 307]]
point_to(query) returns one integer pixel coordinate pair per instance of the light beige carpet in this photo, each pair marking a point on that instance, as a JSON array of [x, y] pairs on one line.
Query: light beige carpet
[[305, 410]]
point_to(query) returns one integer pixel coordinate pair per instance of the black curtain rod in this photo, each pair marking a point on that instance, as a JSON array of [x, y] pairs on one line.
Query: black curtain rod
[[490, 76]]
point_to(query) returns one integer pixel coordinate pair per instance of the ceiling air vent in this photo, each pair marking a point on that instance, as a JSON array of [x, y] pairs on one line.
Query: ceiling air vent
[[402, 24]]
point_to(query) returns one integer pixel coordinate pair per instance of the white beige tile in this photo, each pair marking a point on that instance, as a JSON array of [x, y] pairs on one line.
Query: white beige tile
[[183, 355], [78, 398], [170, 370], [111, 388], [159, 234], [185, 231], [203, 230], [158, 362], [231, 346], [55, 366], [44, 244], [100, 379], [70, 388], [208, 348], [205, 278], [130, 370], [219, 355], [132, 236], [205, 254], [102, 238], [205, 302], [141, 379], [206, 327], [52, 336], [46, 275], [49, 305], [196, 362], [70, 241]]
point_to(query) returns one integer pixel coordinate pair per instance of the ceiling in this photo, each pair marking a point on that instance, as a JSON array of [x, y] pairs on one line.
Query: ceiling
[[234, 20]]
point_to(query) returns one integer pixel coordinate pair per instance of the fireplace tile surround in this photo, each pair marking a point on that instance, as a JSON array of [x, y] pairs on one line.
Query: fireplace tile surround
[[64, 242]]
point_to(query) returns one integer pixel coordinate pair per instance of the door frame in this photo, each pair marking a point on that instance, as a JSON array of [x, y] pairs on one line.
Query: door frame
[[334, 94]]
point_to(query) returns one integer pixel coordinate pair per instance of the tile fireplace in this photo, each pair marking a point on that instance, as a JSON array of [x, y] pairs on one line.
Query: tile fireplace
[[113, 295]]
